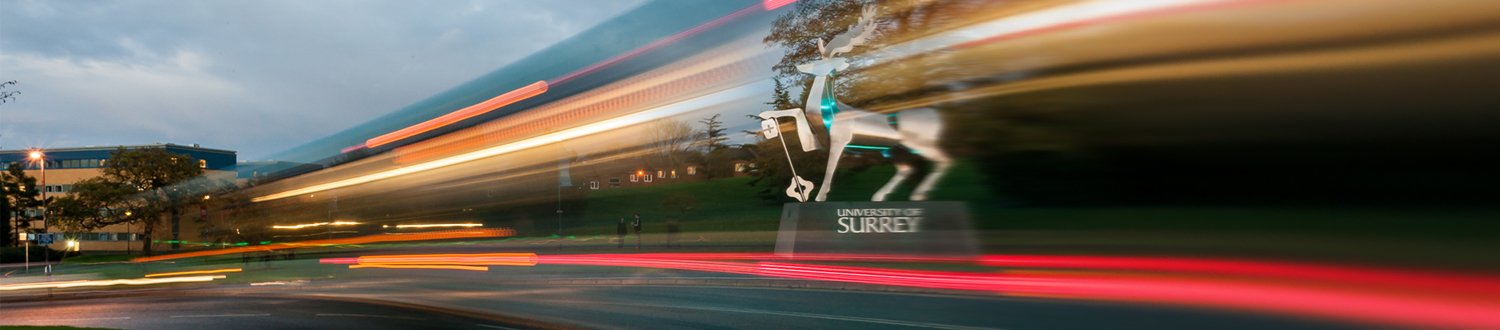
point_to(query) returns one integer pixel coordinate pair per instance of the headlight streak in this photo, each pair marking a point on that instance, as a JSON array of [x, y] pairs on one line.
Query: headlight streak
[[399, 266], [441, 225], [722, 97], [197, 272], [517, 95], [318, 224], [86, 283], [474, 262], [393, 237], [1061, 17]]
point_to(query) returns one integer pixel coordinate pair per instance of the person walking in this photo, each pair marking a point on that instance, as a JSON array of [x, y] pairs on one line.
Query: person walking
[[672, 233], [620, 233], [637, 231]]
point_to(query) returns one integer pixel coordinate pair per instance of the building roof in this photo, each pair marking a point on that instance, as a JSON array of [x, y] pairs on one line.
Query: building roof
[[194, 147]]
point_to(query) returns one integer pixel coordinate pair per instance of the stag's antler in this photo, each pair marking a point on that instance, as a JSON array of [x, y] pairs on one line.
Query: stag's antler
[[857, 35]]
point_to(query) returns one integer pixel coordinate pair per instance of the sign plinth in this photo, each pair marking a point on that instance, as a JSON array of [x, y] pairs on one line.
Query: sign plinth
[[890, 228]]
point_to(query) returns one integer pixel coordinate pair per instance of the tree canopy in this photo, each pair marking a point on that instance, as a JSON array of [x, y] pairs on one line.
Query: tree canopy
[[137, 186]]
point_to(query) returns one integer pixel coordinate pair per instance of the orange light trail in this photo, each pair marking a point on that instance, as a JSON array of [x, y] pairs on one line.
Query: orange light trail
[[197, 272], [133, 281], [399, 266], [305, 225], [440, 225], [517, 95], [482, 259], [447, 234]]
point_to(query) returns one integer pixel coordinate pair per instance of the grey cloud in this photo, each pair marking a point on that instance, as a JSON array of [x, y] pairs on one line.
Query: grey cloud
[[254, 76]]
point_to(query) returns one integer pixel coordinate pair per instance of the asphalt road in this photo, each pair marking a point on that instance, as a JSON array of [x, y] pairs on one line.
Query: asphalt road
[[229, 312], [602, 306]]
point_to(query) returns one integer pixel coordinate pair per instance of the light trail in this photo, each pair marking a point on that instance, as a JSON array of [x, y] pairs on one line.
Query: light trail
[[133, 281], [197, 272], [517, 95], [765, 6], [480, 259], [717, 98], [1376, 296], [395, 237], [318, 224], [442, 225], [399, 266]]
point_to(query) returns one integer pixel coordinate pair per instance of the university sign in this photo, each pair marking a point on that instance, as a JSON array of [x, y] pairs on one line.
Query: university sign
[[878, 227], [897, 228]]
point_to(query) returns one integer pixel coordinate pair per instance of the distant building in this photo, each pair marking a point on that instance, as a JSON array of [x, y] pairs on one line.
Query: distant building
[[66, 166]]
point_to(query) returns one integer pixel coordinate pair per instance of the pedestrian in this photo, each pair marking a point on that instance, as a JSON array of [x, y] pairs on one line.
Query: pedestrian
[[672, 233], [637, 231], [620, 233]]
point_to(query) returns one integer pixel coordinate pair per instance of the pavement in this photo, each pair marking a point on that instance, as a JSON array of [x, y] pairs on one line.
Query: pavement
[[232, 312]]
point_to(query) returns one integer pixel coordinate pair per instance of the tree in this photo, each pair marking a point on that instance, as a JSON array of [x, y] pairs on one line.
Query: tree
[[21, 194], [713, 134], [5, 95], [671, 141], [146, 182], [713, 142]]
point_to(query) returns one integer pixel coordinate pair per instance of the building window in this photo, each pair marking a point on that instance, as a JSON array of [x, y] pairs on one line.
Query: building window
[[202, 163], [634, 178], [692, 170], [614, 182], [740, 167], [660, 174], [674, 174], [594, 185], [648, 178]]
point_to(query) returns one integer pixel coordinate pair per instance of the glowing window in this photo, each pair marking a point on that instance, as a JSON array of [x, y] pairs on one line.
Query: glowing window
[[202, 163]]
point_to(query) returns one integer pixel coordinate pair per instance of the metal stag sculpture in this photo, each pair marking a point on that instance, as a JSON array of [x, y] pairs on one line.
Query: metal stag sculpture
[[846, 126]]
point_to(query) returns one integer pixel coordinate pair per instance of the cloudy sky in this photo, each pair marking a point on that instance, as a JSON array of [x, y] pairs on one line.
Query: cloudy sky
[[252, 76]]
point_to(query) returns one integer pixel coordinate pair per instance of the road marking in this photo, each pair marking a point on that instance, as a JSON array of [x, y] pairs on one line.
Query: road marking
[[495, 326], [366, 315], [817, 316], [217, 315], [85, 319]]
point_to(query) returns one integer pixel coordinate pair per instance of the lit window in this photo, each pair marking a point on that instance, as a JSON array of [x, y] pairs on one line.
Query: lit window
[[692, 170], [659, 173], [740, 167], [674, 174], [202, 163]]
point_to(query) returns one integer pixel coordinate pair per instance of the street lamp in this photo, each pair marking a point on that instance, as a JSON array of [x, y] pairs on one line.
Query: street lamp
[[38, 156]]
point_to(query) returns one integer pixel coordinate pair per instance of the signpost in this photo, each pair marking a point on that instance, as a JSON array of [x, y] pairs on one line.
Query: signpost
[[893, 228]]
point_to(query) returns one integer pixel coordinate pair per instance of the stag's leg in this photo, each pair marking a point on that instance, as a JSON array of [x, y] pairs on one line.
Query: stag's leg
[[903, 170], [940, 162], [920, 129], [835, 152]]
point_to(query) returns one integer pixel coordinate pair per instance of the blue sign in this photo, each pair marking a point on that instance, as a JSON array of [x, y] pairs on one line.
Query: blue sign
[[44, 239]]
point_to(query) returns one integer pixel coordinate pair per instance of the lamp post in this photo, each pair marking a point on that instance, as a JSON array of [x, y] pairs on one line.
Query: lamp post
[[38, 156], [129, 235]]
